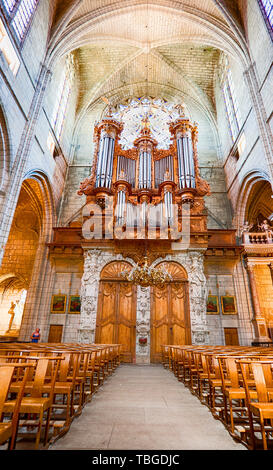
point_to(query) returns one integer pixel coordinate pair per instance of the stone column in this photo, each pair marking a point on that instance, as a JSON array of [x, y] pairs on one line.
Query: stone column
[[37, 306], [89, 296], [259, 109], [198, 298], [143, 325], [258, 320], [19, 165]]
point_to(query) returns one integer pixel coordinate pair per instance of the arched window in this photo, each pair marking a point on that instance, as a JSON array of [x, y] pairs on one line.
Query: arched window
[[232, 108], [8, 50], [20, 13], [63, 93], [267, 11]]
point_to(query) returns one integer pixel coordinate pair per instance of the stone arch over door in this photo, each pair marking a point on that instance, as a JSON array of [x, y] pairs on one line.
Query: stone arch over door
[[116, 311], [170, 311]]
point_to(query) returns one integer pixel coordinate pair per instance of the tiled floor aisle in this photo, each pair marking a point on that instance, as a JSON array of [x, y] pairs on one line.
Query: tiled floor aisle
[[145, 407]]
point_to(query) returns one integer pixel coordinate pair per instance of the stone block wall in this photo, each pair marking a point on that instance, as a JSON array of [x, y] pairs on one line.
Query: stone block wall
[[229, 278]]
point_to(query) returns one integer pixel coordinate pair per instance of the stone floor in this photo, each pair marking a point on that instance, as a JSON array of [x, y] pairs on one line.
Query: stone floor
[[145, 407]]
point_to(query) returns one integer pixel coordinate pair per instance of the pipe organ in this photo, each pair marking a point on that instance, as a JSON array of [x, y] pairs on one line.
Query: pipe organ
[[185, 161], [145, 182], [105, 160]]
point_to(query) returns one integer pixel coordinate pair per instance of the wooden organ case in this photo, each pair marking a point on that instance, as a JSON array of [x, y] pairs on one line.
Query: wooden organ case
[[138, 189], [140, 193]]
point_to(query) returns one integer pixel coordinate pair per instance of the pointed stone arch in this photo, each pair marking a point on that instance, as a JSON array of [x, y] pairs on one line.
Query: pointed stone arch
[[245, 195], [4, 153]]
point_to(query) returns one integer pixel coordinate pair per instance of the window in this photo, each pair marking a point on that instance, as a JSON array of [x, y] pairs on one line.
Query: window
[[134, 114], [8, 50], [232, 108], [267, 10], [20, 12], [63, 94], [9, 5]]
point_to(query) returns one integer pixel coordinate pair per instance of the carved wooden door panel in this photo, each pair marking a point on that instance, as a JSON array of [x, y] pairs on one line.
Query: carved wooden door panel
[[106, 315], [116, 317], [170, 321], [159, 321], [126, 320]]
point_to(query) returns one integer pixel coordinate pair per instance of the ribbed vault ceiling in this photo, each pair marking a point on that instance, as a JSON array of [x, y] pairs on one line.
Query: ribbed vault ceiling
[[124, 48]]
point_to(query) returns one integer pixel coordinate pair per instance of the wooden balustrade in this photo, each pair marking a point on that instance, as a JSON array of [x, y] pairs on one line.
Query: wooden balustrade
[[250, 238]]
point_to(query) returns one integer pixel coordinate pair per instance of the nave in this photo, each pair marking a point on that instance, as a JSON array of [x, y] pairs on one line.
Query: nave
[[145, 407]]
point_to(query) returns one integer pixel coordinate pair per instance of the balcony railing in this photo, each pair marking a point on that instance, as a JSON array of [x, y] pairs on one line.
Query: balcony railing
[[257, 238]]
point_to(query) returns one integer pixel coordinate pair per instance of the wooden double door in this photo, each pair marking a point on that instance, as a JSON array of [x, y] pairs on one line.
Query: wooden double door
[[170, 317], [116, 316]]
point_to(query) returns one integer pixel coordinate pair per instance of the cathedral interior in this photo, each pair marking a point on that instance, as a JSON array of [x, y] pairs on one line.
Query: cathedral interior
[[136, 140]]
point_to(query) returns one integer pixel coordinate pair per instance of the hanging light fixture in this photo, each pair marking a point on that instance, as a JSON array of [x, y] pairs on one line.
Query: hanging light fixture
[[144, 275]]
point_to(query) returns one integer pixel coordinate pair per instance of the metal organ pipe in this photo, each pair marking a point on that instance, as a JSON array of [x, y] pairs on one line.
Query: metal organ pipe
[[128, 166], [168, 201], [105, 162], [145, 171], [109, 166], [185, 162], [121, 208], [161, 166]]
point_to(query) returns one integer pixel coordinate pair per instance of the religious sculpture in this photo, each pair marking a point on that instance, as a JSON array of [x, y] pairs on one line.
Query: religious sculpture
[[12, 314]]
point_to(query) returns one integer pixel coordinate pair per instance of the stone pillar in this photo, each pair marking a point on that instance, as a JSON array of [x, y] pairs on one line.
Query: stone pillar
[[258, 320], [18, 170], [259, 109], [89, 296], [143, 325], [198, 298], [37, 306]]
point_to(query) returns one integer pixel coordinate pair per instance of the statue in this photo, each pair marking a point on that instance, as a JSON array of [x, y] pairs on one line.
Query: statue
[[167, 175], [265, 227], [246, 227], [180, 109], [12, 313], [145, 124]]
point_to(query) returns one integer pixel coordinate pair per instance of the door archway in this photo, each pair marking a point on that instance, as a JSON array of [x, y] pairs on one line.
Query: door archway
[[170, 312], [116, 314]]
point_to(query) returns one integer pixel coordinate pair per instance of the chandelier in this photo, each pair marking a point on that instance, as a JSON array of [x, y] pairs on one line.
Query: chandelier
[[144, 276]]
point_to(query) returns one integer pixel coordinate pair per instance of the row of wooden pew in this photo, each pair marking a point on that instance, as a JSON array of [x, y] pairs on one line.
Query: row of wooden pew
[[236, 383], [43, 386]]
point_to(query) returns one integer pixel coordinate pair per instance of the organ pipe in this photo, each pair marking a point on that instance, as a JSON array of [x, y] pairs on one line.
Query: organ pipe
[[145, 170], [185, 162], [121, 208], [168, 201], [105, 162], [161, 167], [128, 167]]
